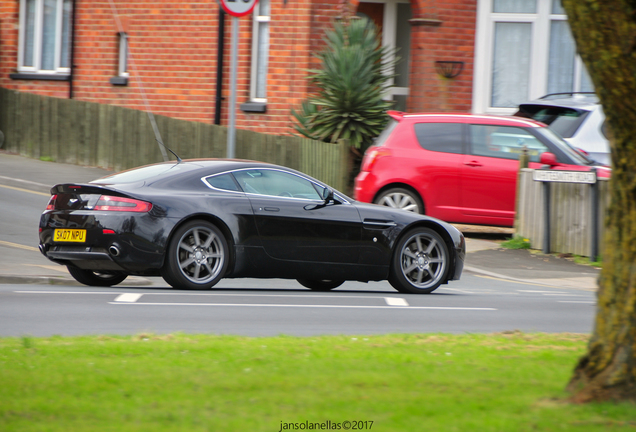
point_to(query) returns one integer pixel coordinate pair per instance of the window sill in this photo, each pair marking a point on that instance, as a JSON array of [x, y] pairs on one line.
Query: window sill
[[119, 81], [40, 77], [255, 107]]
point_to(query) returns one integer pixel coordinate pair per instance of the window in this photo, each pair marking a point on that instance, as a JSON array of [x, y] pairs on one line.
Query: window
[[277, 183], [260, 51], [123, 54], [504, 142], [45, 36], [524, 50], [223, 181], [566, 72], [440, 137], [122, 61]]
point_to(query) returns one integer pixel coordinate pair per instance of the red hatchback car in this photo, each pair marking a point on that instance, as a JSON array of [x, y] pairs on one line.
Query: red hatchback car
[[459, 168]]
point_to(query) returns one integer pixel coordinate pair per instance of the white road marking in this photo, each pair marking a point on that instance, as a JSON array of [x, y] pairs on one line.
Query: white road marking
[[541, 292], [131, 298], [577, 301], [306, 306], [128, 297], [198, 294], [67, 292], [480, 291], [395, 301]]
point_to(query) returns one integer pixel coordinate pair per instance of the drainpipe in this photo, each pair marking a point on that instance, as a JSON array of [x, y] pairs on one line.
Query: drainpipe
[[72, 60], [219, 67]]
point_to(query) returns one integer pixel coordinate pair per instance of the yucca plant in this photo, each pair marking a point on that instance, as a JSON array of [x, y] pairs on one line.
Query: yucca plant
[[354, 76]]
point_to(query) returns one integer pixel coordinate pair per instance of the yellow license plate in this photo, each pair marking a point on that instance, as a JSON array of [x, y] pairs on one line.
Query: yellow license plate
[[70, 235]]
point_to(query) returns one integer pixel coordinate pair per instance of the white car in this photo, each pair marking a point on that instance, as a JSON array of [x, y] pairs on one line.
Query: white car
[[577, 117]]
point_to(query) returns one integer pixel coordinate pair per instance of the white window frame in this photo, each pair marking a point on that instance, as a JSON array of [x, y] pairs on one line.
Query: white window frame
[[123, 54], [37, 40], [539, 53], [389, 27], [257, 21]]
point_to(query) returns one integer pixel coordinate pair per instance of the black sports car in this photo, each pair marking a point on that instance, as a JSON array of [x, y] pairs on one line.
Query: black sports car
[[197, 221]]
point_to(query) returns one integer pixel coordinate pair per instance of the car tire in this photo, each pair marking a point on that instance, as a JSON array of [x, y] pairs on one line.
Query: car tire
[[320, 285], [197, 256], [420, 262], [91, 278], [400, 198]]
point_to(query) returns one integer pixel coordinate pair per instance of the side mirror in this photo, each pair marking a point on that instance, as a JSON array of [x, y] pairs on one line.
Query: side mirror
[[327, 198], [327, 195], [548, 158]]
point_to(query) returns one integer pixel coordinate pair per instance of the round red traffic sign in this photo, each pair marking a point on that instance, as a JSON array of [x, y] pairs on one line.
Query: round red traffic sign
[[238, 8]]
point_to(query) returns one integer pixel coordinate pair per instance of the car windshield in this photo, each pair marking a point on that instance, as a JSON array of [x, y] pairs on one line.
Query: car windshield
[[562, 145], [141, 174], [564, 121]]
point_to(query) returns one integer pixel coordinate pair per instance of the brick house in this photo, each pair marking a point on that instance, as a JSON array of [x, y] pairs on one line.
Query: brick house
[[503, 51]]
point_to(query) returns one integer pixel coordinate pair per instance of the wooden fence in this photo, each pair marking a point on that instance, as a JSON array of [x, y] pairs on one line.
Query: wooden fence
[[570, 214], [117, 138]]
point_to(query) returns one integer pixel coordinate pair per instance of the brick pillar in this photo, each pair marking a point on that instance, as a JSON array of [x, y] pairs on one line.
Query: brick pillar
[[441, 31]]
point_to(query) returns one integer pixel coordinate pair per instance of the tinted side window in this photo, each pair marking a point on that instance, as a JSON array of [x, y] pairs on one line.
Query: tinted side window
[[223, 181], [504, 142], [440, 137], [276, 183]]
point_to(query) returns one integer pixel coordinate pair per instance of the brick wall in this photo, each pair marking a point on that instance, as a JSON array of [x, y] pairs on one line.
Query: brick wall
[[173, 46], [9, 22], [442, 31], [174, 54]]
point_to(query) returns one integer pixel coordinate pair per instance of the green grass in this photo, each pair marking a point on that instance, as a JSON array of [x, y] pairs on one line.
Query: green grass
[[586, 261], [421, 382], [516, 242]]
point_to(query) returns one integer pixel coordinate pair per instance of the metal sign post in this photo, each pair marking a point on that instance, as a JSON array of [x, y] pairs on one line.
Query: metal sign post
[[231, 132], [237, 9]]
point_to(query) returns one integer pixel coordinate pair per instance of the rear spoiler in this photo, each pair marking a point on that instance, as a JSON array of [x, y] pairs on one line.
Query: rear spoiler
[[82, 188], [396, 115]]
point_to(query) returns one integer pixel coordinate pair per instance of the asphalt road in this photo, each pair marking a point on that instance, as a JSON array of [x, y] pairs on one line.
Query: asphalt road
[[20, 211], [250, 307], [476, 303]]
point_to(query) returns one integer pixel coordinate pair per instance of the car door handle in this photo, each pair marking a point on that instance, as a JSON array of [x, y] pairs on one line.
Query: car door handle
[[473, 163], [271, 209]]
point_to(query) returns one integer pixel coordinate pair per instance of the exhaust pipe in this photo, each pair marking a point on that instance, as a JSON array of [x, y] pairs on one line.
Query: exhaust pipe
[[114, 250]]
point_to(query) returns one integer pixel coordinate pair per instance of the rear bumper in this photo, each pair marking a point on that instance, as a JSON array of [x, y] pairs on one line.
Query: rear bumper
[[87, 258], [134, 244]]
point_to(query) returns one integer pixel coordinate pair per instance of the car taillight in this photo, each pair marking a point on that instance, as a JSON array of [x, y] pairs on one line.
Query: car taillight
[[372, 156], [113, 203], [51, 204]]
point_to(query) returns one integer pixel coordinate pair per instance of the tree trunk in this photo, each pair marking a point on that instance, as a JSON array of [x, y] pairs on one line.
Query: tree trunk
[[605, 34]]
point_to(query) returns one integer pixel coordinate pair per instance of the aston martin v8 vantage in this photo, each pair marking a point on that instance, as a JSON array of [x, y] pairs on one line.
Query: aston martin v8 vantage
[[195, 222]]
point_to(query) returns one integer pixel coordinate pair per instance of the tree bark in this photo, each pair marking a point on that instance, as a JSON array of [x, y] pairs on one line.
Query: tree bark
[[605, 34]]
